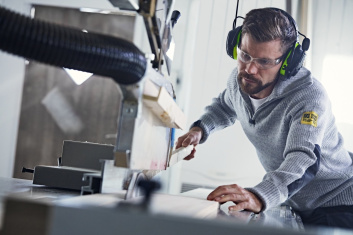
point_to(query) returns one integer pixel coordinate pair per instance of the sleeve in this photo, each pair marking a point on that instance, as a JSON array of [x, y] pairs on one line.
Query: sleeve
[[310, 120], [221, 112]]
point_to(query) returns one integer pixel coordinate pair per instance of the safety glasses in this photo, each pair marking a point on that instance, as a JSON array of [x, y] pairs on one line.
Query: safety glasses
[[261, 63]]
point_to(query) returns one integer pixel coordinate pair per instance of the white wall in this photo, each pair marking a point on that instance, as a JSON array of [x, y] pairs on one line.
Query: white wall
[[333, 58]]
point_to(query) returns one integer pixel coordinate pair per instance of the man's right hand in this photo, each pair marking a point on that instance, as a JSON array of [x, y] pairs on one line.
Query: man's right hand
[[193, 137]]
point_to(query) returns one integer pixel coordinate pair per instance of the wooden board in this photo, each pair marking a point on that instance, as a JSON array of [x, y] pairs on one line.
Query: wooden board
[[184, 206], [163, 106], [177, 205]]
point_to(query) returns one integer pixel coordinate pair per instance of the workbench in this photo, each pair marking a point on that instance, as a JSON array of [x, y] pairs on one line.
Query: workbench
[[66, 220]]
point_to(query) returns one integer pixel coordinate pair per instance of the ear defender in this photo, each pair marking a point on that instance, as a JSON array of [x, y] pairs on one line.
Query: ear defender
[[294, 58], [233, 40], [289, 59]]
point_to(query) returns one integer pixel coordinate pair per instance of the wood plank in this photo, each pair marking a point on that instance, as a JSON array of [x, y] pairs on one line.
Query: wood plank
[[163, 106], [177, 205], [184, 206]]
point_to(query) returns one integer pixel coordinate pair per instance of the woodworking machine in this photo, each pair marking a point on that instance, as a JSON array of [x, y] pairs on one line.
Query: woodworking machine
[[148, 112]]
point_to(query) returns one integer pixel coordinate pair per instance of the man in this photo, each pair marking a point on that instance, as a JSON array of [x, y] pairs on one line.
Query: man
[[290, 123]]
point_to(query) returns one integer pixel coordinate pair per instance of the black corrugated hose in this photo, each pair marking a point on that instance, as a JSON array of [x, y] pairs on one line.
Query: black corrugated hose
[[71, 48]]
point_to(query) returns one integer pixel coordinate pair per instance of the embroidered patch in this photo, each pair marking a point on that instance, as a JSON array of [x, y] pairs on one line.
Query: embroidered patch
[[309, 118]]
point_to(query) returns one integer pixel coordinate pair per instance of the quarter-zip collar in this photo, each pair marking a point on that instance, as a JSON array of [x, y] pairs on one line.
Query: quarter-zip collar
[[283, 88]]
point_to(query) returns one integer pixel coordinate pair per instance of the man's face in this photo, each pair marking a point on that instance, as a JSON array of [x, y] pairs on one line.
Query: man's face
[[256, 82]]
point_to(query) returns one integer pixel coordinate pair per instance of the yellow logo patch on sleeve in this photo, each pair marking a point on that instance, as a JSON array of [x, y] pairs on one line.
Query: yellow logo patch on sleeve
[[310, 118]]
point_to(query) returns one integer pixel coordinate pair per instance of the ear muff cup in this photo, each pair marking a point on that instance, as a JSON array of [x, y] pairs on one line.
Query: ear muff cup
[[233, 40], [293, 61]]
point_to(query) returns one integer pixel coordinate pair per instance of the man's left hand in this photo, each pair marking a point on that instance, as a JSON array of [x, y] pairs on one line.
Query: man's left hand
[[243, 199]]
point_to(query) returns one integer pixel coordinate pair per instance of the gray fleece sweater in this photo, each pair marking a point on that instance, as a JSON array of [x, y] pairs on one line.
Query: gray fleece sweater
[[296, 140]]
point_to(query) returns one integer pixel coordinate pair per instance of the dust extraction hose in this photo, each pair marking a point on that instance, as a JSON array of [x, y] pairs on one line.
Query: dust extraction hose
[[71, 48]]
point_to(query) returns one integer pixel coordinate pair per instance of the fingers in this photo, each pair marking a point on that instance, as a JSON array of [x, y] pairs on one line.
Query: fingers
[[191, 156], [244, 199], [180, 140], [193, 137], [225, 190], [188, 140], [239, 207], [231, 197]]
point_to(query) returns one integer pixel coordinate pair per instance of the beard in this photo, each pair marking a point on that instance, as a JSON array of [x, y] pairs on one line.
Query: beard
[[252, 88]]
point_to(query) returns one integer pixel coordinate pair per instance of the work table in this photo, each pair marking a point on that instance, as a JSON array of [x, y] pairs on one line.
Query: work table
[[273, 221]]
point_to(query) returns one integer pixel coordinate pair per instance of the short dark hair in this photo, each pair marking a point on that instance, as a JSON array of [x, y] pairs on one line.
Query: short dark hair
[[267, 24]]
